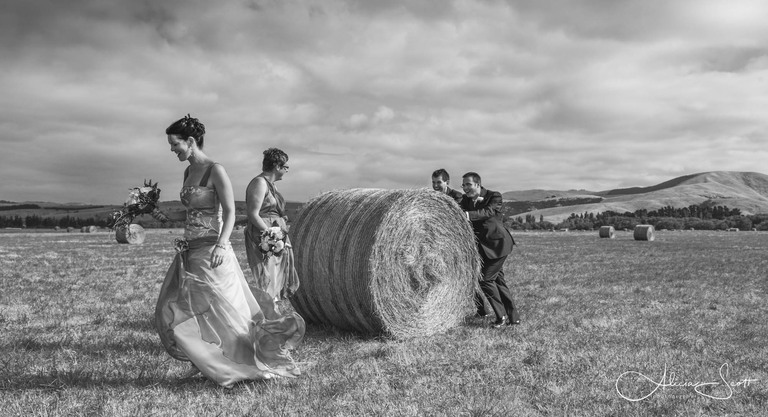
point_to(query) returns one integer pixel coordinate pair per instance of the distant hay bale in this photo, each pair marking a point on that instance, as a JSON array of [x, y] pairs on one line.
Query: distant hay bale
[[70, 229], [644, 232], [608, 232], [133, 234], [733, 229], [397, 262]]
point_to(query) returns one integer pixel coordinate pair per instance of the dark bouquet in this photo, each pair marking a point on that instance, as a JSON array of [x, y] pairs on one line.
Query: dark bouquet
[[141, 200], [272, 242]]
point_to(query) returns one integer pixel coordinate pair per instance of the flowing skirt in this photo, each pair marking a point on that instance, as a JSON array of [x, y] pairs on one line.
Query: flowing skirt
[[275, 275], [230, 332]]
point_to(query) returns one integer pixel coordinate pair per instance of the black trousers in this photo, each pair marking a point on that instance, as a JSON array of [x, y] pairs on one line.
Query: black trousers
[[480, 302], [496, 290]]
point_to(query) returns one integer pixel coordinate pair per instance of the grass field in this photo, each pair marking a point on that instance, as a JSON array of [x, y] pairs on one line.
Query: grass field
[[76, 336]]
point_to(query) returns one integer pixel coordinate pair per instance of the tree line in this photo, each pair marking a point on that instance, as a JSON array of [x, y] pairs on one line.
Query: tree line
[[699, 217], [39, 222]]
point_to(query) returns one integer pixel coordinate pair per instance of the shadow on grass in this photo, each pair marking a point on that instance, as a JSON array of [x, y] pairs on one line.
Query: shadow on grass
[[326, 332]]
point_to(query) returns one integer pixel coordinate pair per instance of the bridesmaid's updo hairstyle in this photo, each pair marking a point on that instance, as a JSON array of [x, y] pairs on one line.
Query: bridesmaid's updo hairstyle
[[187, 127], [273, 158]]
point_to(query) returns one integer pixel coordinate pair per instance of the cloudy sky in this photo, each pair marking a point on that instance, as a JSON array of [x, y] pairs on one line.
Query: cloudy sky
[[579, 94]]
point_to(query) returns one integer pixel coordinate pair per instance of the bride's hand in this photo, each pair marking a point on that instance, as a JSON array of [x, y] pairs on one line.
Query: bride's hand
[[217, 256]]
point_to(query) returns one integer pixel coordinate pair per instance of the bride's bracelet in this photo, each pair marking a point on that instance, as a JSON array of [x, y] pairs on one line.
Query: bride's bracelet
[[224, 246]]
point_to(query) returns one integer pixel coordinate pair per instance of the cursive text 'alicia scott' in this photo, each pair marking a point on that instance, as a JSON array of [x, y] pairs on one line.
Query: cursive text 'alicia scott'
[[669, 381]]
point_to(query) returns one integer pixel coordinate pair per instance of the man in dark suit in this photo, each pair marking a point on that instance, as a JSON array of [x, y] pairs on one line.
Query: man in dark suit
[[494, 242], [440, 181]]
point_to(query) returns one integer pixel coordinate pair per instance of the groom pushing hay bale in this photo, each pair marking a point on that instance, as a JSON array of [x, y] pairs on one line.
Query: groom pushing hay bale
[[399, 262]]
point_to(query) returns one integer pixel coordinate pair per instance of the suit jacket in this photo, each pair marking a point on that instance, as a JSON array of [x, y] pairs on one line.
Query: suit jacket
[[455, 194], [493, 238]]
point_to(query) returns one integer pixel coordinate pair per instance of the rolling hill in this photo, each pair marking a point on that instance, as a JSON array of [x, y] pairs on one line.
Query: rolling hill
[[747, 191]]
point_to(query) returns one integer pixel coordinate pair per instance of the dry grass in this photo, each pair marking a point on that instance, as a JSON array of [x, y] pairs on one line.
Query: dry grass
[[76, 310]]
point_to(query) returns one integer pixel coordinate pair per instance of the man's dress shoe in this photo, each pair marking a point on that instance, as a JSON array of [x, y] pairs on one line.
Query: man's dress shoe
[[499, 323]]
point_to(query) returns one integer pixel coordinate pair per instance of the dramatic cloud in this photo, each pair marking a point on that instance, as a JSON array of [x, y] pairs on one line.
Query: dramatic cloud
[[587, 94]]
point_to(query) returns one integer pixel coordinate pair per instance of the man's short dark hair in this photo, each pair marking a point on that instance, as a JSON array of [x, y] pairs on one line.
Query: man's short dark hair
[[442, 174], [475, 177]]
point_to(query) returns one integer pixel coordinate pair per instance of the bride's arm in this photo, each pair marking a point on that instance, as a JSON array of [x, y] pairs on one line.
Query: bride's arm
[[226, 196], [254, 198]]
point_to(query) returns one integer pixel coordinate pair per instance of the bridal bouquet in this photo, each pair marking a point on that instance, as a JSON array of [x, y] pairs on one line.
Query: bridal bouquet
[[141, 200], [272, 242]]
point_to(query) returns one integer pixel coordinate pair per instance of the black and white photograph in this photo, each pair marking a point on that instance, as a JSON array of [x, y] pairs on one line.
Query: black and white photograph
[[383, 208]]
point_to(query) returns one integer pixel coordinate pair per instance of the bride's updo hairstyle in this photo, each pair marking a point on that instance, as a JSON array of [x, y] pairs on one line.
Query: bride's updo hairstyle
[[273, 158], [187, 127]]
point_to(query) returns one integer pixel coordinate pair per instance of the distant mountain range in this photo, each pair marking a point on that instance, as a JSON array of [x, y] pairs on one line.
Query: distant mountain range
[[747, 191]]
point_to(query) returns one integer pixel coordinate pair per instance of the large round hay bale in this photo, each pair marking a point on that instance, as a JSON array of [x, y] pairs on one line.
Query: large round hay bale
[[70, 229], [607, 231], [644, 232], [396, 262], [133, 234]]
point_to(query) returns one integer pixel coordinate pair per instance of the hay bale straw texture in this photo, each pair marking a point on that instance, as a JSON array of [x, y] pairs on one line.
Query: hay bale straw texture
[[133, 234], [644, 232], [396, 262], [607, 231]]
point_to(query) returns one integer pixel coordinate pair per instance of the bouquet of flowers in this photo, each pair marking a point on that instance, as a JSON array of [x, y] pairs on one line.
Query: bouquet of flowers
[[141, 200], [180, 245], [272, 242]]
